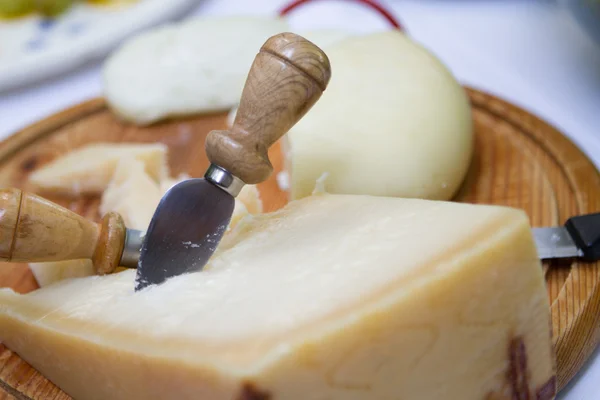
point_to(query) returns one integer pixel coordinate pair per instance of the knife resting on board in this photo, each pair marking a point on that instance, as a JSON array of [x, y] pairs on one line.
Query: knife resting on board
[[578, 238]]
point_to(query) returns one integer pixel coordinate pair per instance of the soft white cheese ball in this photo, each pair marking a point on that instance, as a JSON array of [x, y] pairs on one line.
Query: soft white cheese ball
[[325, 38], [392, 122], [194, 67]]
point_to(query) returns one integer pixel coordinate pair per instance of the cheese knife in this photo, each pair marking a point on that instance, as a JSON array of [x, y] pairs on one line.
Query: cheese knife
[[579, 237], [287, 77]]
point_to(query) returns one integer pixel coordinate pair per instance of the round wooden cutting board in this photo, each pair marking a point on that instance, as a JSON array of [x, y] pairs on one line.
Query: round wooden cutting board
[[519, 161]]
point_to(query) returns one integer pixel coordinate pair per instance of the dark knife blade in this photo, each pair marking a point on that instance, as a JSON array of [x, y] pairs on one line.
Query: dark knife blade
[[186, 228]]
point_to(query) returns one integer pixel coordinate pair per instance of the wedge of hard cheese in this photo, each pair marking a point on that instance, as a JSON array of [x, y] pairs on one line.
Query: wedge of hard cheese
[[132, 193], [332, 297], [89, 170]]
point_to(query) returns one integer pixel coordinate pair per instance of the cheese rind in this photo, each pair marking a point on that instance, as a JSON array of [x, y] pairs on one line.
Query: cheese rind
[[337, 297]]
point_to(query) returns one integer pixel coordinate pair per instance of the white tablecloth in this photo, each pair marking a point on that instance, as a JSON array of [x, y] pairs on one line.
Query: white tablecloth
[[531, 53]]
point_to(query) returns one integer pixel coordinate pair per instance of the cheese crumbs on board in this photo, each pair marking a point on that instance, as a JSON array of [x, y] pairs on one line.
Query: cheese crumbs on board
[[134, 191], [89, 169]]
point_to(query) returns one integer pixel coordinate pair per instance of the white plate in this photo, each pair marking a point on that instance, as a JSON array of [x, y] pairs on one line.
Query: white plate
[[32, 49]]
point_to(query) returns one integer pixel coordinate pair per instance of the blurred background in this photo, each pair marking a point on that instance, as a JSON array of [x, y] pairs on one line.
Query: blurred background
[[542, 55], [539, 54]]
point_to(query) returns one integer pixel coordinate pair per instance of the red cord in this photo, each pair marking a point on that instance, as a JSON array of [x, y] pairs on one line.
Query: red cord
[[371, 3]]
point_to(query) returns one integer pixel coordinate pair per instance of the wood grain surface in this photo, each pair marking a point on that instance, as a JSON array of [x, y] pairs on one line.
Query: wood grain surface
[[519, 161], [35, 229], [286, 79]]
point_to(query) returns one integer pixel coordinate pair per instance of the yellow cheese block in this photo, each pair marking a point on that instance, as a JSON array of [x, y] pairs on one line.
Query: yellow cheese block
[[332, 297], [89, 170]]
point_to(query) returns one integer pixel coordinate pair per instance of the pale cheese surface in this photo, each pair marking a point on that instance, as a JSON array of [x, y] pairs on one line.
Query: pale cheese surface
[[89, 169], [392, 122], [196, 66], [338, 297], [289, 256]]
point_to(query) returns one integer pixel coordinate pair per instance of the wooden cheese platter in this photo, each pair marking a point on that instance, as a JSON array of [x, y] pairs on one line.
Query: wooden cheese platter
[[519, 161]]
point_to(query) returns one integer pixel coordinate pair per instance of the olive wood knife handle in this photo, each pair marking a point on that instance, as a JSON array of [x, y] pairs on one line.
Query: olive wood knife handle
[[33, 229], [288, 76]]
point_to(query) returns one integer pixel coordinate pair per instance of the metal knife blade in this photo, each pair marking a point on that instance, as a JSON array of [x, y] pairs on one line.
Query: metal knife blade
[[555, 243], [579, 237], [186, 228]]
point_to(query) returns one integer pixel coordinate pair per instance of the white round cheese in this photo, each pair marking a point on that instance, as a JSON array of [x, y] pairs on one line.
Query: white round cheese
[[188, 68], [325, 38], [393, 122]]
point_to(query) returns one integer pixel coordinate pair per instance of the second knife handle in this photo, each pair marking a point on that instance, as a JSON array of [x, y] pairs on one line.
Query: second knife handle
[[288, 76], [585, 232], [33, 229]]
